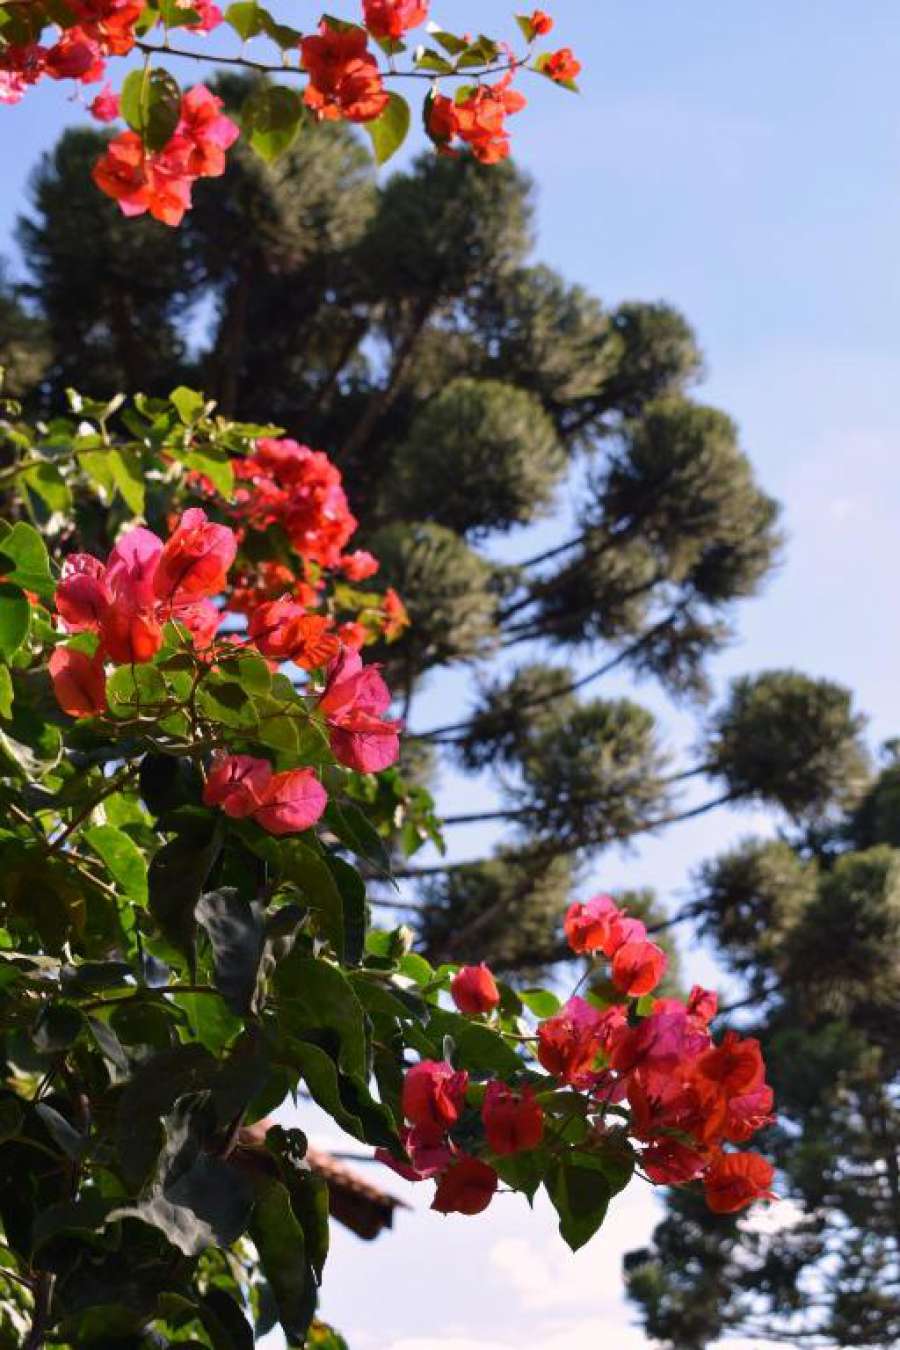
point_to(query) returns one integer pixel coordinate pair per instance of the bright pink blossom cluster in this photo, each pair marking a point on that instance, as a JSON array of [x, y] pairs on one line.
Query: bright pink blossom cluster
[[127, 600], [302, 491], [478, 120], [687, 1097], [345, 82], [282, 803], [160, 181]]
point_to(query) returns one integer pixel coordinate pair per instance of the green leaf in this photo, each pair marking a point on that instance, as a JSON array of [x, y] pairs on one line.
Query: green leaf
[[428, 59], [354, 829], [48, 483], [309, 870], [151, 1094], [449, 41], [127, 474], [389, 131], [187, 402], [540, 1002], [175, 15], [64, 1135], [225, 1324], [123, 858], [523, 1171], [235, 930], [227, 702], [315, 998], [348, 1101], [6, 692], [353, 894], [150, 102], [526, 26], [277, 1235], [249, 670], [135, 690], [246, 18], [477, 1048], [24, 560], [177, 876], [308, 1191], [15, 618], [195, 1198], [272, 118], [281, 34], [215, 465], [580, 1186], [12, 1116]]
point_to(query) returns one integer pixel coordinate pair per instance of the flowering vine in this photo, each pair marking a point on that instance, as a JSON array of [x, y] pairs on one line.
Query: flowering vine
[[176, 138]]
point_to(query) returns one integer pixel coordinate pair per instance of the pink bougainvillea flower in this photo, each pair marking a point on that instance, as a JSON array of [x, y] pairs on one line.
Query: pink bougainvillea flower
[[570, 1041], [467, 1187], [282, 630], [78, 682], [512, 1121], [291, 802], [130, 635], [541, 23], [426, 1159], [433, 1095], [668, 1162], [734, 1180], [562, 66], [76, 56], [195, 560], [392, 18], [638, 967], [82, 594], [474, 990], [281, 803], [236, 783], [358, 566], [105, 107], [586, 925], [354, 701], [344, 79], [210, 15], [209, 132]]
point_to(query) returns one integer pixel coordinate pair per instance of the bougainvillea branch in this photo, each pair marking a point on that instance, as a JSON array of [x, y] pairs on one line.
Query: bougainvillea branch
[[184, 925], [176, 138]]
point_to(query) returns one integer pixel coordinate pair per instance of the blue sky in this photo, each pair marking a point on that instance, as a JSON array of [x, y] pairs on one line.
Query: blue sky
[[743, 163]]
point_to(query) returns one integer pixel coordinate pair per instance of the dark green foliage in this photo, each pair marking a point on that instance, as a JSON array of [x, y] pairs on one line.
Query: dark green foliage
[[110, 290], [789, 739], [815, 935], [507, 905], [484, 430], [451, 596]]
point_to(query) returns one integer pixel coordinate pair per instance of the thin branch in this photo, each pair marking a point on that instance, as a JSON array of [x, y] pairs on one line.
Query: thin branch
[[558, 851], [436, 733], [273, 68]]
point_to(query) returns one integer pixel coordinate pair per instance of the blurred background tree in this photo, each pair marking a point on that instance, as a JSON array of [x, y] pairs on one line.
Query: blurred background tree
[[811, 926], [467, 393]]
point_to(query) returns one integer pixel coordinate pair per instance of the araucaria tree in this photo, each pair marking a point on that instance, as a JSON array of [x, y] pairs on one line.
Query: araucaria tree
[[811, 924], [204, 624]]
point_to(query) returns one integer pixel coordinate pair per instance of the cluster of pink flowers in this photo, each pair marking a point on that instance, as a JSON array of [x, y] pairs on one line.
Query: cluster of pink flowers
[[127, 600], [353, 702], [687, 1097], [478, 120], [160, 181], [144, 584], [282, 803]]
